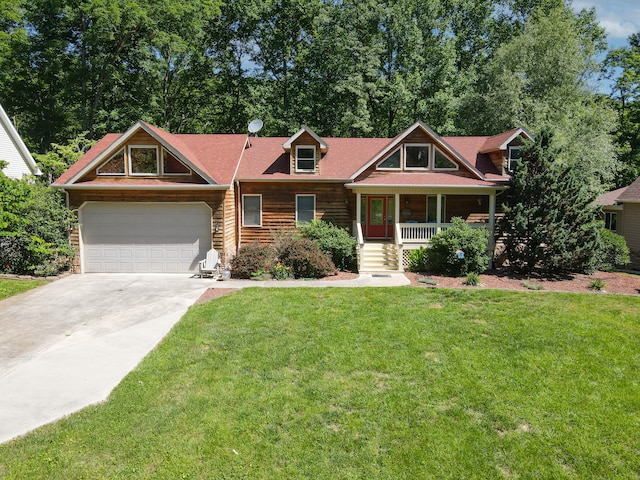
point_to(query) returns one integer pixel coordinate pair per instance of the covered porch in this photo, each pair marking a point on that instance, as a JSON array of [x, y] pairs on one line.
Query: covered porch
[[391, 222]]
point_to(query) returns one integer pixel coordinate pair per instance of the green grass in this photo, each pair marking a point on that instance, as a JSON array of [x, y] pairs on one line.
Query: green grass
[[382, 383], [9, 287]]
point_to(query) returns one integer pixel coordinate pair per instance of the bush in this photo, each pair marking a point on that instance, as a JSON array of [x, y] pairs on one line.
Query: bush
[[472, 279], [597, 284], [305, 259], [443, 253], [416, 260], [613, 251], [253, 258], [334, 241]]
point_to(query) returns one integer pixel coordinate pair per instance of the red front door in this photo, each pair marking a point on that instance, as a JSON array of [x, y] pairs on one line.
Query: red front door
[[378, 225]]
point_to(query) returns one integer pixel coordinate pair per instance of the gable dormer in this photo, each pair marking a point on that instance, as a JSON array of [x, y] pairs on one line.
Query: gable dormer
[[305, 151], [504, 149]]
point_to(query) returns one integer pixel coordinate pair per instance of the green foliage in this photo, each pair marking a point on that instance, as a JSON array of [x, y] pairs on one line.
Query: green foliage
[[550, 222], [252, 258], [443, 253], [60, 157], [612, 252], [530, 285], [597, 284], [472, 279], [34, 229], [334, 241], [281, 272], [417, 260], [304, 259]]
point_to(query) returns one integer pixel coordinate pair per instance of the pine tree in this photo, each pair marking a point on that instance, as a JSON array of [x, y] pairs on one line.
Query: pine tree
[[550, 223]]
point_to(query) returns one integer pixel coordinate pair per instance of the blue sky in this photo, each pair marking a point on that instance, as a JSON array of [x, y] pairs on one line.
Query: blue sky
[[620, 18]]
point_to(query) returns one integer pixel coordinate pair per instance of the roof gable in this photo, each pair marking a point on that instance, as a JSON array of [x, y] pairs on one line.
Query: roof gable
[[631, 193], [292, 140], [214, 158], [502, 140], [14, 151], [405, 137]]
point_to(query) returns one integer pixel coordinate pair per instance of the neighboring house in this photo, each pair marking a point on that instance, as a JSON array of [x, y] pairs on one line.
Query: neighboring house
[[621, 210], [152, 201], [14, 151]]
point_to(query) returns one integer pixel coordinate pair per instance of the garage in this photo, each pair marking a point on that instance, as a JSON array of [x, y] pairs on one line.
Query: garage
[[143, 237]]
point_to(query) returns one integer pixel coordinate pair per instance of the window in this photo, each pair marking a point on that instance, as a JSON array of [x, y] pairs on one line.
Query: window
[[392, 162], [515, 154], [305, 208], [172, 166], [305, 159], [113, 166], [611, 220], [416, 156], [432, 208], [143, 160], [252, 210], [442, 162]]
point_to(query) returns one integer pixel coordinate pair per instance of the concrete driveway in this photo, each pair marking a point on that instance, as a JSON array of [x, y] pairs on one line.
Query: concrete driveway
[[67, 344]]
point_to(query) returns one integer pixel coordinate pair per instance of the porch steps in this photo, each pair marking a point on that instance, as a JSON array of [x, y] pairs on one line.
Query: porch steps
[[379, 257]]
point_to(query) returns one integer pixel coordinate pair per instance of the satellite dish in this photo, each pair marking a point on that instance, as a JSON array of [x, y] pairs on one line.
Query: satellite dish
[[255, 126]]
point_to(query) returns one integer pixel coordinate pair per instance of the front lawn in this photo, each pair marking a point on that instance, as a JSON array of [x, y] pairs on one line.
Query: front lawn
[[367, 383], [9, 287]]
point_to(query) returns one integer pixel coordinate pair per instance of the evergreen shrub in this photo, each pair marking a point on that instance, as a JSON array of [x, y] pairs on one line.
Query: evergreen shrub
[[443, 253], [612, 253], [332, 240]]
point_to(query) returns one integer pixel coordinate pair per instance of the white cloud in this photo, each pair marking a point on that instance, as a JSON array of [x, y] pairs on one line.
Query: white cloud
[[620, 18]]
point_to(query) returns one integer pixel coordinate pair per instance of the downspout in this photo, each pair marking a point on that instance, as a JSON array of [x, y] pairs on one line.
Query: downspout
[[238, 217]]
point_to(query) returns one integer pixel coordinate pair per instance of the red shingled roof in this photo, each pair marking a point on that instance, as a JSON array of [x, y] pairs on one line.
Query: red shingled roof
[[427, 178]]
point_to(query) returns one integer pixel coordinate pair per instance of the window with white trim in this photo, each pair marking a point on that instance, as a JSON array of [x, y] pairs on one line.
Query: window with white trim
[[172, 166], [305, 158], [143, 160], [416, 156], [252, 210], [113, 166], [515, 154], [392, 162], [305, 208], [611, 220], [442, 162]]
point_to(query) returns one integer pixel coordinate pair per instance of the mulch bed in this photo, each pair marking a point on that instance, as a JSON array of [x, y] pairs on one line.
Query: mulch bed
[[614, 282]]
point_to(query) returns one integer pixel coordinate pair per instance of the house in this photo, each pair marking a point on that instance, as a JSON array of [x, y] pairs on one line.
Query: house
[[152, 201], [621, 210], [14, 151]]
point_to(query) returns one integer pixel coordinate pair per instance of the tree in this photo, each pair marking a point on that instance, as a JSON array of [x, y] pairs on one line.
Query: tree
[[543, 77], [624, 68], [550, 223]]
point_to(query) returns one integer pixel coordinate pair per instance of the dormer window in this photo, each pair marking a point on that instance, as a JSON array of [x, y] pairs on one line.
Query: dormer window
[[416, 156], [442, 162], [305, 158], [392, 162], [515, 154], [113, 166], [143, 160], [172, 166]]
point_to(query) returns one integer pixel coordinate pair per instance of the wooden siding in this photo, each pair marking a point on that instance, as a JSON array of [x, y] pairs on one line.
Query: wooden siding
[[215, 199], [631, 231], [333, 203], [499, 160], [229, 226]]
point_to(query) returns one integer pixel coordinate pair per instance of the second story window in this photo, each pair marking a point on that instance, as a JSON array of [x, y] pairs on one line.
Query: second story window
[[515, 154], [305, 159], [416, 156], [143, 160]]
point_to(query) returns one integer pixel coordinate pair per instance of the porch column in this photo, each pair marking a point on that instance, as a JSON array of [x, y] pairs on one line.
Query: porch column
[[396, 215], [438, 212], [492, 226], [358, 211]]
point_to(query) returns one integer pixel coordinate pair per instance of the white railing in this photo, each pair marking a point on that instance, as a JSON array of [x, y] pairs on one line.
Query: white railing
[[419, 232]]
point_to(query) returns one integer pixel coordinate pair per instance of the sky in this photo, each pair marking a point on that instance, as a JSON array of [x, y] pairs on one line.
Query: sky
[[620, 18]]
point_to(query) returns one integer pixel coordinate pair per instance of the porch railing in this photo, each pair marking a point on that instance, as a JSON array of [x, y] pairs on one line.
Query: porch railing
[[419, 232]]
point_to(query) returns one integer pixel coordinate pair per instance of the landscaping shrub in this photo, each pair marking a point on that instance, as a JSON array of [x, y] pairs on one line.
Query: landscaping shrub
[[253, 258], [416, 260], [305, 259], [443, 253], [472, 279], [334, 241], [597, 284], [612, 253]]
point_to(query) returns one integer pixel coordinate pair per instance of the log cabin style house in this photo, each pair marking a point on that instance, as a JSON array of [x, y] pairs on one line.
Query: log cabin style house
[[152, 201]]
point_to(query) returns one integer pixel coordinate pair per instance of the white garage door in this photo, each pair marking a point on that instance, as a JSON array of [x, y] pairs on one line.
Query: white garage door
[[144, 237]]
